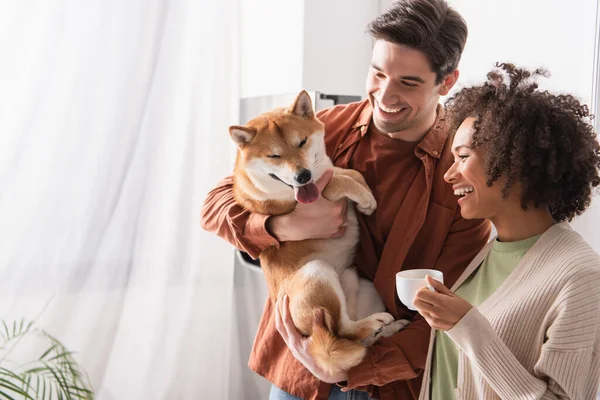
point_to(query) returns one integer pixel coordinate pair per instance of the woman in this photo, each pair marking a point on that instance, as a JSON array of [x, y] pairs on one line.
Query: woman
[[523, 321]]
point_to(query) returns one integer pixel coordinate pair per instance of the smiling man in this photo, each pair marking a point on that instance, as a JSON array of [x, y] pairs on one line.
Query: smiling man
[[398, 140]]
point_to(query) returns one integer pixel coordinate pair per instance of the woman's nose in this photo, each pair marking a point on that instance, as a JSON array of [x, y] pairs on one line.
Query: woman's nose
[[450, 175]]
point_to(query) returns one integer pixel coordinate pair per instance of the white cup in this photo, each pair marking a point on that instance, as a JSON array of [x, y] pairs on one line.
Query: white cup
[[410, 281]]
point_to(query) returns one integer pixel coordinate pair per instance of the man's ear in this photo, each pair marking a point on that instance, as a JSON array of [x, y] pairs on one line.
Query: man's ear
[[241, 135], [448, 82], [302, 106]]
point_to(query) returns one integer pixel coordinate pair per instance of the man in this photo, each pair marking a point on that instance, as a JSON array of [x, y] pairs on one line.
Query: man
[[398, 141]]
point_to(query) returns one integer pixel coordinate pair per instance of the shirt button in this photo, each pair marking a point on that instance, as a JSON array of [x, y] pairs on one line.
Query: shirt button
[[362, 128], [436, 153], [340, 146]]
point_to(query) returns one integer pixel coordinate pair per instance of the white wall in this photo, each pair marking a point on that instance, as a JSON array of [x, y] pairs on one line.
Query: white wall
[[305, 44], [337, 51], [272, 35], [552, 33]]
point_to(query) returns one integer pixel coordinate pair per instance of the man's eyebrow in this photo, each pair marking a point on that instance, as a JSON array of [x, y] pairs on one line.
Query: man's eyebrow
[[405, 78], [412, 78]]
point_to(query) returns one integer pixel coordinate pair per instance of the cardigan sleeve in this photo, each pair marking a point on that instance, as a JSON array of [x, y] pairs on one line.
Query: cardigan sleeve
[[569, 364]]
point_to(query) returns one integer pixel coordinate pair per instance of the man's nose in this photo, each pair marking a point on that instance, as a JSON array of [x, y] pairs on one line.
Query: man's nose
[[388, 94], [303, 176]]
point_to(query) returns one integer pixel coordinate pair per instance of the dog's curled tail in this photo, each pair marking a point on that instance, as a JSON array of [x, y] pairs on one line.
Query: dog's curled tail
[[333, 354]]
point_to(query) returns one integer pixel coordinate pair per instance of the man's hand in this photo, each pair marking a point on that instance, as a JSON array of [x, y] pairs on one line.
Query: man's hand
[[441, 309], [299, 344], [322, 219]]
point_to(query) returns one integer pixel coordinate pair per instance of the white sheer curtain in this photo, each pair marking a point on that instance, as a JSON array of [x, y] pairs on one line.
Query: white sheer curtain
[[113, 126]]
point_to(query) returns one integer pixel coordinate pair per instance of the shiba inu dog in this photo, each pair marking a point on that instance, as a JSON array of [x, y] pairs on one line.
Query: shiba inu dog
[[280, 155]]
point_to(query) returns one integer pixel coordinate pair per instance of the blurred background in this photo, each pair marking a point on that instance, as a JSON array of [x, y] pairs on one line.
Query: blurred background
[[113, 127]]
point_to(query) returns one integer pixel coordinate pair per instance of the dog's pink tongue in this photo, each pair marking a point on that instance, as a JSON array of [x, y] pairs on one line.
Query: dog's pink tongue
[[307, 194]]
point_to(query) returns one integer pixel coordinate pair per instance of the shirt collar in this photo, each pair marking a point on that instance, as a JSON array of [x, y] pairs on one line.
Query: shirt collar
[[364, 119], [433, 141]]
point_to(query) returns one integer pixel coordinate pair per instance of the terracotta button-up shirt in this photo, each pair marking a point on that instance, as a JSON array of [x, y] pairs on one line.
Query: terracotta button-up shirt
[[427, 231]]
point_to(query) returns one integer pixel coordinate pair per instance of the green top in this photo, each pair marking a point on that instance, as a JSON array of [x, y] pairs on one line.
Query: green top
[[496, 267]]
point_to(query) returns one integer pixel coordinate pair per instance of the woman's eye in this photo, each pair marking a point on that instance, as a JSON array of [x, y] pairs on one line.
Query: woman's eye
[[274, 156], [463, 157], [302, 143]]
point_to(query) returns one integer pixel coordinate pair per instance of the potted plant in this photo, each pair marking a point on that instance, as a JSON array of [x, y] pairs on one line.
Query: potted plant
[[54, 374]]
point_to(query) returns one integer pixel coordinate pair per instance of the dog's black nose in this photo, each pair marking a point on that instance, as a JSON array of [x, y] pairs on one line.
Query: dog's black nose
[[303, 177]]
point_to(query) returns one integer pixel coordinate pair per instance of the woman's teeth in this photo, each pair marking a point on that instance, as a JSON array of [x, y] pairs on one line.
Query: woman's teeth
[[463, 191]]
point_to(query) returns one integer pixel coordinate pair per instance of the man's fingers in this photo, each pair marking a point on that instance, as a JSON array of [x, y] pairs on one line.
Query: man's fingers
[[288, 323], [324, 180], [278, 322], [344, 211], [340, 232]]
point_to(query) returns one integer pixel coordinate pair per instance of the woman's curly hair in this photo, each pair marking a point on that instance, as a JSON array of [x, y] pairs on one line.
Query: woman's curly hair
[[542, 140]]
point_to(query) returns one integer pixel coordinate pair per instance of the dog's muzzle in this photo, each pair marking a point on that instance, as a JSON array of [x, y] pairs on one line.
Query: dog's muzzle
[[279, 179]]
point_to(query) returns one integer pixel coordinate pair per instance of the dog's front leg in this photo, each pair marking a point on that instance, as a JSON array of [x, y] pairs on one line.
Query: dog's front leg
[[343, 186], [354, 174]]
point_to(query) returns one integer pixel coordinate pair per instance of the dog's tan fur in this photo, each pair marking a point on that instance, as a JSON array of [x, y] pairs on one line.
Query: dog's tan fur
[[315, 274]]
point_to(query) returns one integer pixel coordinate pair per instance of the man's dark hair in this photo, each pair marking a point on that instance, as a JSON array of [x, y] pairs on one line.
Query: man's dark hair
[[543, 141], [430, 26]]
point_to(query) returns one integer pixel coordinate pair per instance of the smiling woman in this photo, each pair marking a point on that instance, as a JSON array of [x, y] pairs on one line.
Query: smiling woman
[[545, 155], [527, 160]]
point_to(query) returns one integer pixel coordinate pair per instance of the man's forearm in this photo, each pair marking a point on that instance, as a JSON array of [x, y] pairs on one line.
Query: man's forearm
[[223, 216]]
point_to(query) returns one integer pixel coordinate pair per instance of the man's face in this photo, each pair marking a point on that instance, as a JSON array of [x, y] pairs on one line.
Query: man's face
[[402, 89]]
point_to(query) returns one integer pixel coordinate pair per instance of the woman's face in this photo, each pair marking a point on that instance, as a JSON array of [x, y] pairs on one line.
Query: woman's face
[[468, 179]]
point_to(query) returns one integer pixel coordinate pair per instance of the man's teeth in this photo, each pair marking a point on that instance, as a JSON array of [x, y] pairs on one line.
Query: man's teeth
[[389, 110], [463, 191]]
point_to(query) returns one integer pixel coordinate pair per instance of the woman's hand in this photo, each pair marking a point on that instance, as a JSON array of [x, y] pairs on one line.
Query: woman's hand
[[299, 344], [441, 309]]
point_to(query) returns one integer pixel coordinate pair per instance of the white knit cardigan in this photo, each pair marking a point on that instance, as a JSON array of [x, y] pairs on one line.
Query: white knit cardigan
[[538, 335]]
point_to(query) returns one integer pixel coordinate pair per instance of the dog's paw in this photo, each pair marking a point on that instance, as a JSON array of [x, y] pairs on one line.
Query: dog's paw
[[367, 207], [394, 327], [377, 323]]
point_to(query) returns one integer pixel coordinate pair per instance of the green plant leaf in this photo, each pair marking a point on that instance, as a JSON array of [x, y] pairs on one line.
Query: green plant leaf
[[8, 385], [44, 389], [50, 349], [54, 375], [6, 395], [10, 379]]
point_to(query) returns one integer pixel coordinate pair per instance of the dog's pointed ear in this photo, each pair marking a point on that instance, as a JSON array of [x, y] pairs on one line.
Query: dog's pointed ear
[[302, 106], [241, 135]]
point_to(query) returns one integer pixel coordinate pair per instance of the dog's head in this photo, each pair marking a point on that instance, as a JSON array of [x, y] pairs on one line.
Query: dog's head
[[283, 151]]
